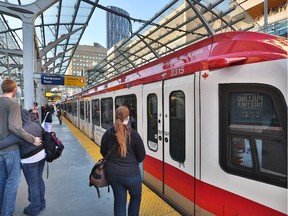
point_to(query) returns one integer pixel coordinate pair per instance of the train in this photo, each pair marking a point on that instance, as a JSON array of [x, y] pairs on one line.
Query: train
[[213, 118]]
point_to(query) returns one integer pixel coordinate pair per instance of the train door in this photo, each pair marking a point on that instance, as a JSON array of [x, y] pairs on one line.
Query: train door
[[88, 119], [169, 138], [85, 117], [82, 116], [153, 135], [179, 136]]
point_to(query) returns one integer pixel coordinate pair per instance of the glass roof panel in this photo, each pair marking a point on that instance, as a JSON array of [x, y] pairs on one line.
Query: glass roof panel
[[23, 2], [59, 29], [55, 31]]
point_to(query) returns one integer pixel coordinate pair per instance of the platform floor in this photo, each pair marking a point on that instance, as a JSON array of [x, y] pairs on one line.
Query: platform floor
[[67, 190]]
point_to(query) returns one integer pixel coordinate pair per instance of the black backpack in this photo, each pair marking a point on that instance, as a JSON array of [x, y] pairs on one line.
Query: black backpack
[[52, 145]]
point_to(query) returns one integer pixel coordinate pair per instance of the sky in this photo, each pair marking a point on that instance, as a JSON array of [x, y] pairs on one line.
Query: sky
[[138, 9]]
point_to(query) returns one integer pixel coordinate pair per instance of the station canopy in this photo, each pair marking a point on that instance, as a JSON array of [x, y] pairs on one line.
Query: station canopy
[[178, 24]]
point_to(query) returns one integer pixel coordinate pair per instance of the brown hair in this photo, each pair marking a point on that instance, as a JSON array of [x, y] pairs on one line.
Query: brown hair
[[122, 131], [8, 86]]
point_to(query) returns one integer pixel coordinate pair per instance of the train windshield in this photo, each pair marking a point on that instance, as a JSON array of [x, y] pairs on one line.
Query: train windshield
[[253, 132]]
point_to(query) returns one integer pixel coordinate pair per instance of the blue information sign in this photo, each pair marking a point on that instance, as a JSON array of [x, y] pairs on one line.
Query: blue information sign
[[52, 80]]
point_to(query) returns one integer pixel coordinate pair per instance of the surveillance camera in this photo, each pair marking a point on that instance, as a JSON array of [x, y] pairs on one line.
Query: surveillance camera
[[20, 72]]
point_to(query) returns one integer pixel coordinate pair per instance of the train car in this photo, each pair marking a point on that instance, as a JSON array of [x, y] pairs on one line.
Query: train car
[[213, 118]]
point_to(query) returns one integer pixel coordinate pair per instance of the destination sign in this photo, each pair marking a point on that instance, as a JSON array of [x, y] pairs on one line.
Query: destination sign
[[63, 80], [53, 94], [74, 81], [53, 99]]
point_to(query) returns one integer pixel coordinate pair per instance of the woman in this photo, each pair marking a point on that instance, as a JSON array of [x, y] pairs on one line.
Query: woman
[[122, 166], [33, 161], [35, 111]]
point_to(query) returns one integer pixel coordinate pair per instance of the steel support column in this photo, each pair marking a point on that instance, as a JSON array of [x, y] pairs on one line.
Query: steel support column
[[28, 63]]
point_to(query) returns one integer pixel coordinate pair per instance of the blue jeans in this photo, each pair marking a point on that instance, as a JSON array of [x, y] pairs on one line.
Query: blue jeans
[[120, 185], [10, 176], [36, 187]]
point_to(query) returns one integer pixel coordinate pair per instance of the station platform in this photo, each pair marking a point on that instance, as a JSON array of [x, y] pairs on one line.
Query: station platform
[[67, 186]]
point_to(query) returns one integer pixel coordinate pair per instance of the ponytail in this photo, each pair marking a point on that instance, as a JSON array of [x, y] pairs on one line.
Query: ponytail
[[122, 130]]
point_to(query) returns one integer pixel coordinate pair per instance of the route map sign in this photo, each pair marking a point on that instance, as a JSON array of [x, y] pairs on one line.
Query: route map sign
[[63, 80]]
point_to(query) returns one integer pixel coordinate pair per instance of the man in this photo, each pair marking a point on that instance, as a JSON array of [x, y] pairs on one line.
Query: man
[[59, 114], [10, 169]]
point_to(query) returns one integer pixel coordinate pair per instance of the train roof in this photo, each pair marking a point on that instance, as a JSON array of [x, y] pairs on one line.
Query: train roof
[[221, 50]]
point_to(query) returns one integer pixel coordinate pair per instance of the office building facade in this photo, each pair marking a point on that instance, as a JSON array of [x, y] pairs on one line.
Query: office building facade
[[85, 57]]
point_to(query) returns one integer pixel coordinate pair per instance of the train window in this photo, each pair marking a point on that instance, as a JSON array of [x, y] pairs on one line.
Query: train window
[[152, 123], [177, 126], [96, 112], [69, 108], [253, 132], [74, 108], [82, 110], [131, 103], [107, 113]]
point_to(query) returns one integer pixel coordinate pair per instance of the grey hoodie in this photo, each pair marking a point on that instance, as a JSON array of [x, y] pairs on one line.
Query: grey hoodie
[[26, 149]]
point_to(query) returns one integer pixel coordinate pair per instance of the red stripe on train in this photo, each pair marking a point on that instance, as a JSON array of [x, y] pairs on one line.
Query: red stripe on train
[[213, 199]]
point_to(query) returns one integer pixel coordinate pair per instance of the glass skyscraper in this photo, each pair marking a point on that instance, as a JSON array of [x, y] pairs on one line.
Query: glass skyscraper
[[117, 26]]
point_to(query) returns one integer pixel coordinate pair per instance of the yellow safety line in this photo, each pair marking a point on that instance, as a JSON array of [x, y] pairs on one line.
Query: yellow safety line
[[151, 204]]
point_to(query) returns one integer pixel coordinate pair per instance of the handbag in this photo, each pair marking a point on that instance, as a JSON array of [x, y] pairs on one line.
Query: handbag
[[97, 176], [43, 123]]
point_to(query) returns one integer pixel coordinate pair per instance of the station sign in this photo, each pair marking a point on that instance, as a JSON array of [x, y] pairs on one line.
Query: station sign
[[62, 80], [52, 80], [53, 99], [53, 94]]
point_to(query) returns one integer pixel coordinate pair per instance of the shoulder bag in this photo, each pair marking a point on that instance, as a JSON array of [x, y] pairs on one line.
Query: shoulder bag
[[43, 123]]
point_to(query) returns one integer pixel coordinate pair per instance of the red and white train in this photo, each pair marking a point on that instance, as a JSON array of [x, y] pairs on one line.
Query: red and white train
[[213, 118]]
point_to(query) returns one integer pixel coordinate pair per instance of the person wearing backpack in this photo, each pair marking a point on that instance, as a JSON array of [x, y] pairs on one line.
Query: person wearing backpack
[[33, 161], [122, 167], [48, 118]]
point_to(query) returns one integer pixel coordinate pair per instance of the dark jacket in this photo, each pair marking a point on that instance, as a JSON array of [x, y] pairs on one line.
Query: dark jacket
[[128, 166], [26, 149], [49, 117]]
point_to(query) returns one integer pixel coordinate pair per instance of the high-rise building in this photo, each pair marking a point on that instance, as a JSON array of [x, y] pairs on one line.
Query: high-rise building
[[85, 57], [117, 26]]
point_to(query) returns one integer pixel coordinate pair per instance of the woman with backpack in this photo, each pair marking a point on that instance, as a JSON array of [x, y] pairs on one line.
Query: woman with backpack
[[122, 166], [47, 122]]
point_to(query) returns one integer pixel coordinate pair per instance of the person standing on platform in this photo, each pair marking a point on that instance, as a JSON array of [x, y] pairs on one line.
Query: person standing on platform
[[35, 110], [47, 119], [10, 169], [59, 114], [122, 166], [33, 161]]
